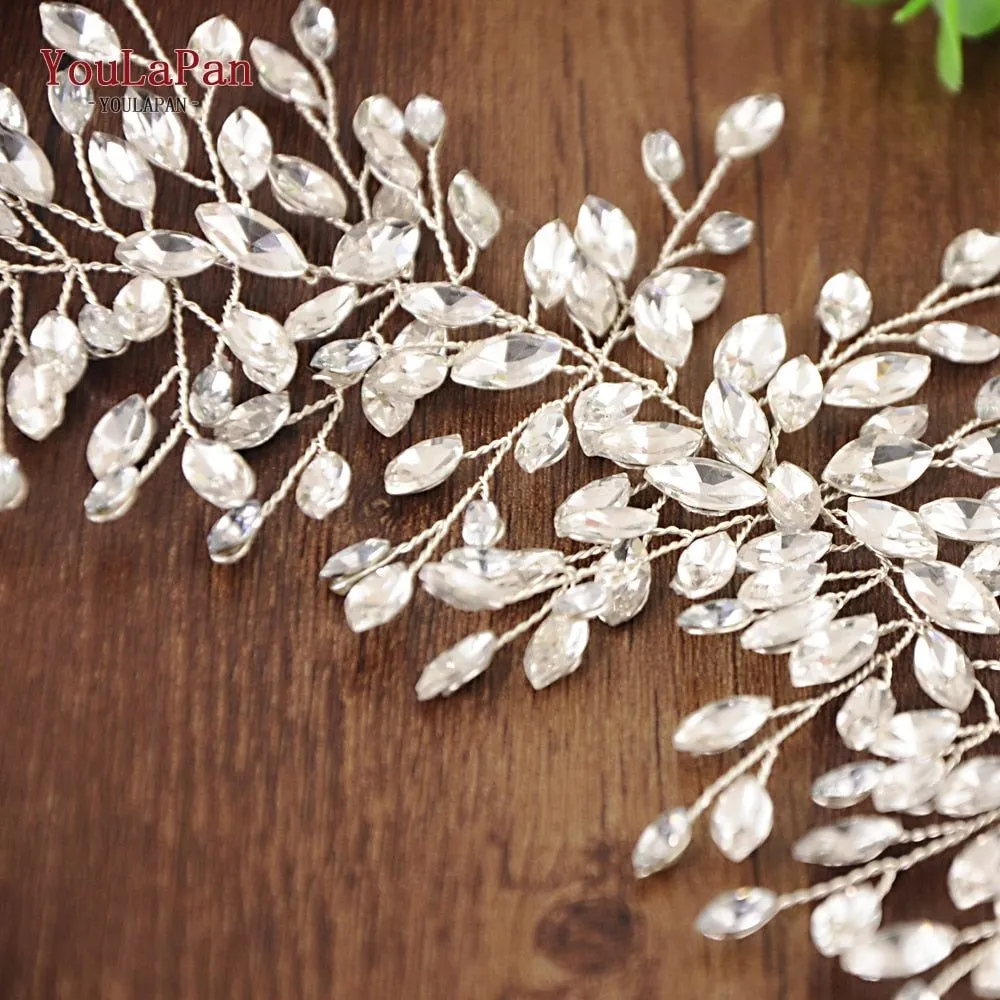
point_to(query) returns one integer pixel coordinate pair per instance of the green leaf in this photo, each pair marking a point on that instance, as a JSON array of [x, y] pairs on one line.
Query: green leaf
[[909, 11], [976, 18], [949, 47]]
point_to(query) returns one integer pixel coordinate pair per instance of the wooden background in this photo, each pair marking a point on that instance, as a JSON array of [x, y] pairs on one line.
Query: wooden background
[[210, 788]]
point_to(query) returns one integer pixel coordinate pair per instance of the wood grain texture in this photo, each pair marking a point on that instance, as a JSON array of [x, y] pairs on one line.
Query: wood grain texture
[[210, 788]]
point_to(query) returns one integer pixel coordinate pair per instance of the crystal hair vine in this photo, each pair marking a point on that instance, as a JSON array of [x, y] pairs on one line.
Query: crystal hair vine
[[769, 519]]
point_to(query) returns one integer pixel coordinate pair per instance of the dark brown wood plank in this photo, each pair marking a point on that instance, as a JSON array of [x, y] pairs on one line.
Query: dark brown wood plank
[[209, 788]]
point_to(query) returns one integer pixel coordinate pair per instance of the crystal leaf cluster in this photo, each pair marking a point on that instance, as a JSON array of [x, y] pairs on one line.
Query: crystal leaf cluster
[[779, 554]]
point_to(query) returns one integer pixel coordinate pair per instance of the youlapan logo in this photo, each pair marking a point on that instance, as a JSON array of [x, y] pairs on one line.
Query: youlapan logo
[[157, 73]]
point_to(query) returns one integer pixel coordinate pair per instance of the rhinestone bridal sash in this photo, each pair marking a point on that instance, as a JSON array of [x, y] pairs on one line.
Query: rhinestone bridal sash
[[802, 545]]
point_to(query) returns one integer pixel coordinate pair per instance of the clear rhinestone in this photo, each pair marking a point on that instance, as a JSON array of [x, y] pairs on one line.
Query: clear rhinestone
[[56, 342], [507, 361], [640, 444], [378, 119], [112, 496], [625, 574], [11, 112], [795, 393], [25, 171], [778, 631], [864, 713], [736, 425], [900, 950], [72, 104], [890, 529], [442, 304], [972, 259], [344, 362], [121, 437], [972, 788], [980, 453], [10, 224], [591, 299], [878, 464], [780, 549], [322, 315], [925, 733], [716, 617], [217, 473], [793, 498], [392, 164], [877, 380], [703, 484], [472, 207], [35, 400], [962, 518], [231, 536], [394, 203], [601, 407], [722, 725], [165, 253], [123, 175], [244, 146], [737, 914], [407, 374], [606, 236], [282, 75], [425, 119], [611, 491], [662, 325], [607, 524], [154, 129], [983, 562], [844, 919], [101, 330], [726, 233], [908, 784], [218, 39], [963, 343], [834, 652], [751, 352], [705, 566], [387, 414], [456, 666], [749, 126], [257, 420], [851, 841], [697, 289], [742, 818], [80, 31], [354, 559], [424, 465], [482, 525], [378, 597], [544, 440], [555, 650], [13, 483], [988, 400], [143, 308], [662, 843], [211, 398], [845, 305], [260, 342], [323, 485], [951, 597], [251, 240], [584, 600], [305, 189], [549, 261], [974, 874], [906, 421], [315, 29], [847, 785], [779, 586], [662, 158]]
